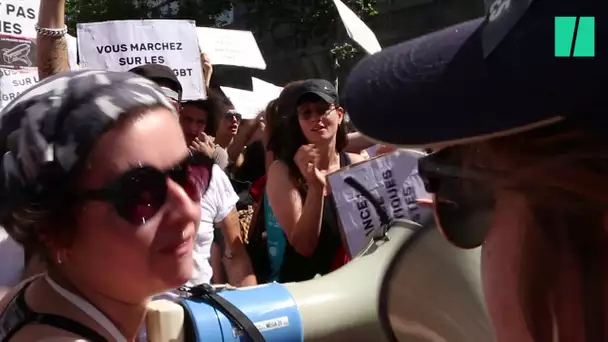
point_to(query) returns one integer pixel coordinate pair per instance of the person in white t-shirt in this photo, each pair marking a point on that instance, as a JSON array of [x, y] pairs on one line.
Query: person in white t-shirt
[[219, 209]]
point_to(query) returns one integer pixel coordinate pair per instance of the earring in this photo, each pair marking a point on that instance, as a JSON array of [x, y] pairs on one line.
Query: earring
[[60, 257]]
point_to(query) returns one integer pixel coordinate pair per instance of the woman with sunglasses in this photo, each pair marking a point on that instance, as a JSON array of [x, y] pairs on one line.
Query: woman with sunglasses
[[313, 144], [519, 166], [97, 178]]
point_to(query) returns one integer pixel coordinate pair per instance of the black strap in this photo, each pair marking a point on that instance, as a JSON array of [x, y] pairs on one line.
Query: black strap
[[345, 159], [234, 314], [17, 314], [70, 325]]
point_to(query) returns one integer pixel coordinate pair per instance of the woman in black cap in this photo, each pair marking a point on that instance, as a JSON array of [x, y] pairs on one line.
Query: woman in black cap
[[297, 188], [520, 164], [96, 176]]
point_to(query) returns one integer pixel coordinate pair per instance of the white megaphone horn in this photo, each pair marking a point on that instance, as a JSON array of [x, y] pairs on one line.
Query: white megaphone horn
[[411, 286]]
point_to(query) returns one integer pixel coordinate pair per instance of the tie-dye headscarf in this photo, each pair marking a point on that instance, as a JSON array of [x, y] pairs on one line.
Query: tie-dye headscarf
[[53, 125]]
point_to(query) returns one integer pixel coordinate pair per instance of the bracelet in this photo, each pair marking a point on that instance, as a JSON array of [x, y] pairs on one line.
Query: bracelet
[[51, 32]]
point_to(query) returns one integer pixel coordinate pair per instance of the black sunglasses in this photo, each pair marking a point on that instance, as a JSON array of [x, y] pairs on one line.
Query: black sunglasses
[[307, 113], [463, 198], [138, 194], [231, 114]]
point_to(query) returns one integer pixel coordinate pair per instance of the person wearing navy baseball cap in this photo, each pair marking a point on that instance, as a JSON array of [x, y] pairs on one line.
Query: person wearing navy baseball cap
[[520, 166], [165, 78]]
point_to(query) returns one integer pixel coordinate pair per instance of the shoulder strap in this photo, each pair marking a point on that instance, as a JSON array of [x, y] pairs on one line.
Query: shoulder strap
[[17, 314], [345, 159], [207, 293], [14, 318], [70, 325]]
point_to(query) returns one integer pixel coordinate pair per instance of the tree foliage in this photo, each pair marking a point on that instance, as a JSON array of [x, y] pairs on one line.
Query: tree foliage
[[204, 12], [291, 24], [298, 24], [84, 11]]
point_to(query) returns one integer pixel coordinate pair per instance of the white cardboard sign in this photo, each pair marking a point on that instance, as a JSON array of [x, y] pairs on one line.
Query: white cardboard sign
[[19, 18], [231, 47], [125, 44], [265, 89], [72, 52], [392, 179], [357, 30], [251, 103], [14, 82], [18, 34], [247, 103]]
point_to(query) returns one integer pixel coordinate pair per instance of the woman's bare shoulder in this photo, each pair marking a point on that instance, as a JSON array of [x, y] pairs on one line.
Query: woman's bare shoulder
[[35, 332], [279, 181], [356, 158], [278, 168], [44, 333], [7, 294], [279, 164]]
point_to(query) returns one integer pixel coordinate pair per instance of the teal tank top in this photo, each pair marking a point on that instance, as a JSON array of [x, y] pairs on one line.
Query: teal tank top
[[275, 239]]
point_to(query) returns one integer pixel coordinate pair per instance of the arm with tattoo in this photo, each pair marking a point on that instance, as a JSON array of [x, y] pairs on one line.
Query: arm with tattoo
[[51, 52]]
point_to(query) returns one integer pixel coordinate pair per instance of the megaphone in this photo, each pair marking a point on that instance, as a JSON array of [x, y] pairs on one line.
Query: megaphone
[[412, 285]]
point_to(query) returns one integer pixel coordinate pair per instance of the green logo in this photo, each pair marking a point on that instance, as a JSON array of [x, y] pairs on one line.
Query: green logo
[[574, 36]]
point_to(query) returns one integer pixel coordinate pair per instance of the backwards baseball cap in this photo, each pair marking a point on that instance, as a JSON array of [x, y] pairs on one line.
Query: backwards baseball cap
[[162, 75], [482, 78]]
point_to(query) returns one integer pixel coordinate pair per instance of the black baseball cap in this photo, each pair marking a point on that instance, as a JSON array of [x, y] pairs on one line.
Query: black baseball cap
[[159, 73], [467, 82], [291, 95], [322, 88]]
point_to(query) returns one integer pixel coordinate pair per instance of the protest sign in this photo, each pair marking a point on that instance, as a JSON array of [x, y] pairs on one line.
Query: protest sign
[[124, 45], [266, 90], [393, 180], [357, 30], [231, 47], [247, 103], [18, 33], [14, 82], [72, 52]]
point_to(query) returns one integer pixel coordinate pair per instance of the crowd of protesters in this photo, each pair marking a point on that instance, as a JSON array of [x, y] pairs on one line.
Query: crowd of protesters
[[114, 190]]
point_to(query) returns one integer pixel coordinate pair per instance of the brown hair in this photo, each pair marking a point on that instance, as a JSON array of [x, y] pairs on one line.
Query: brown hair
[[561, 171], [221, 105], [271, 120], [210, 106]]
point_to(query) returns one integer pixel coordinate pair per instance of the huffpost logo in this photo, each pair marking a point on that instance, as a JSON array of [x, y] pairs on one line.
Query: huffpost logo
[[574, 36]]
